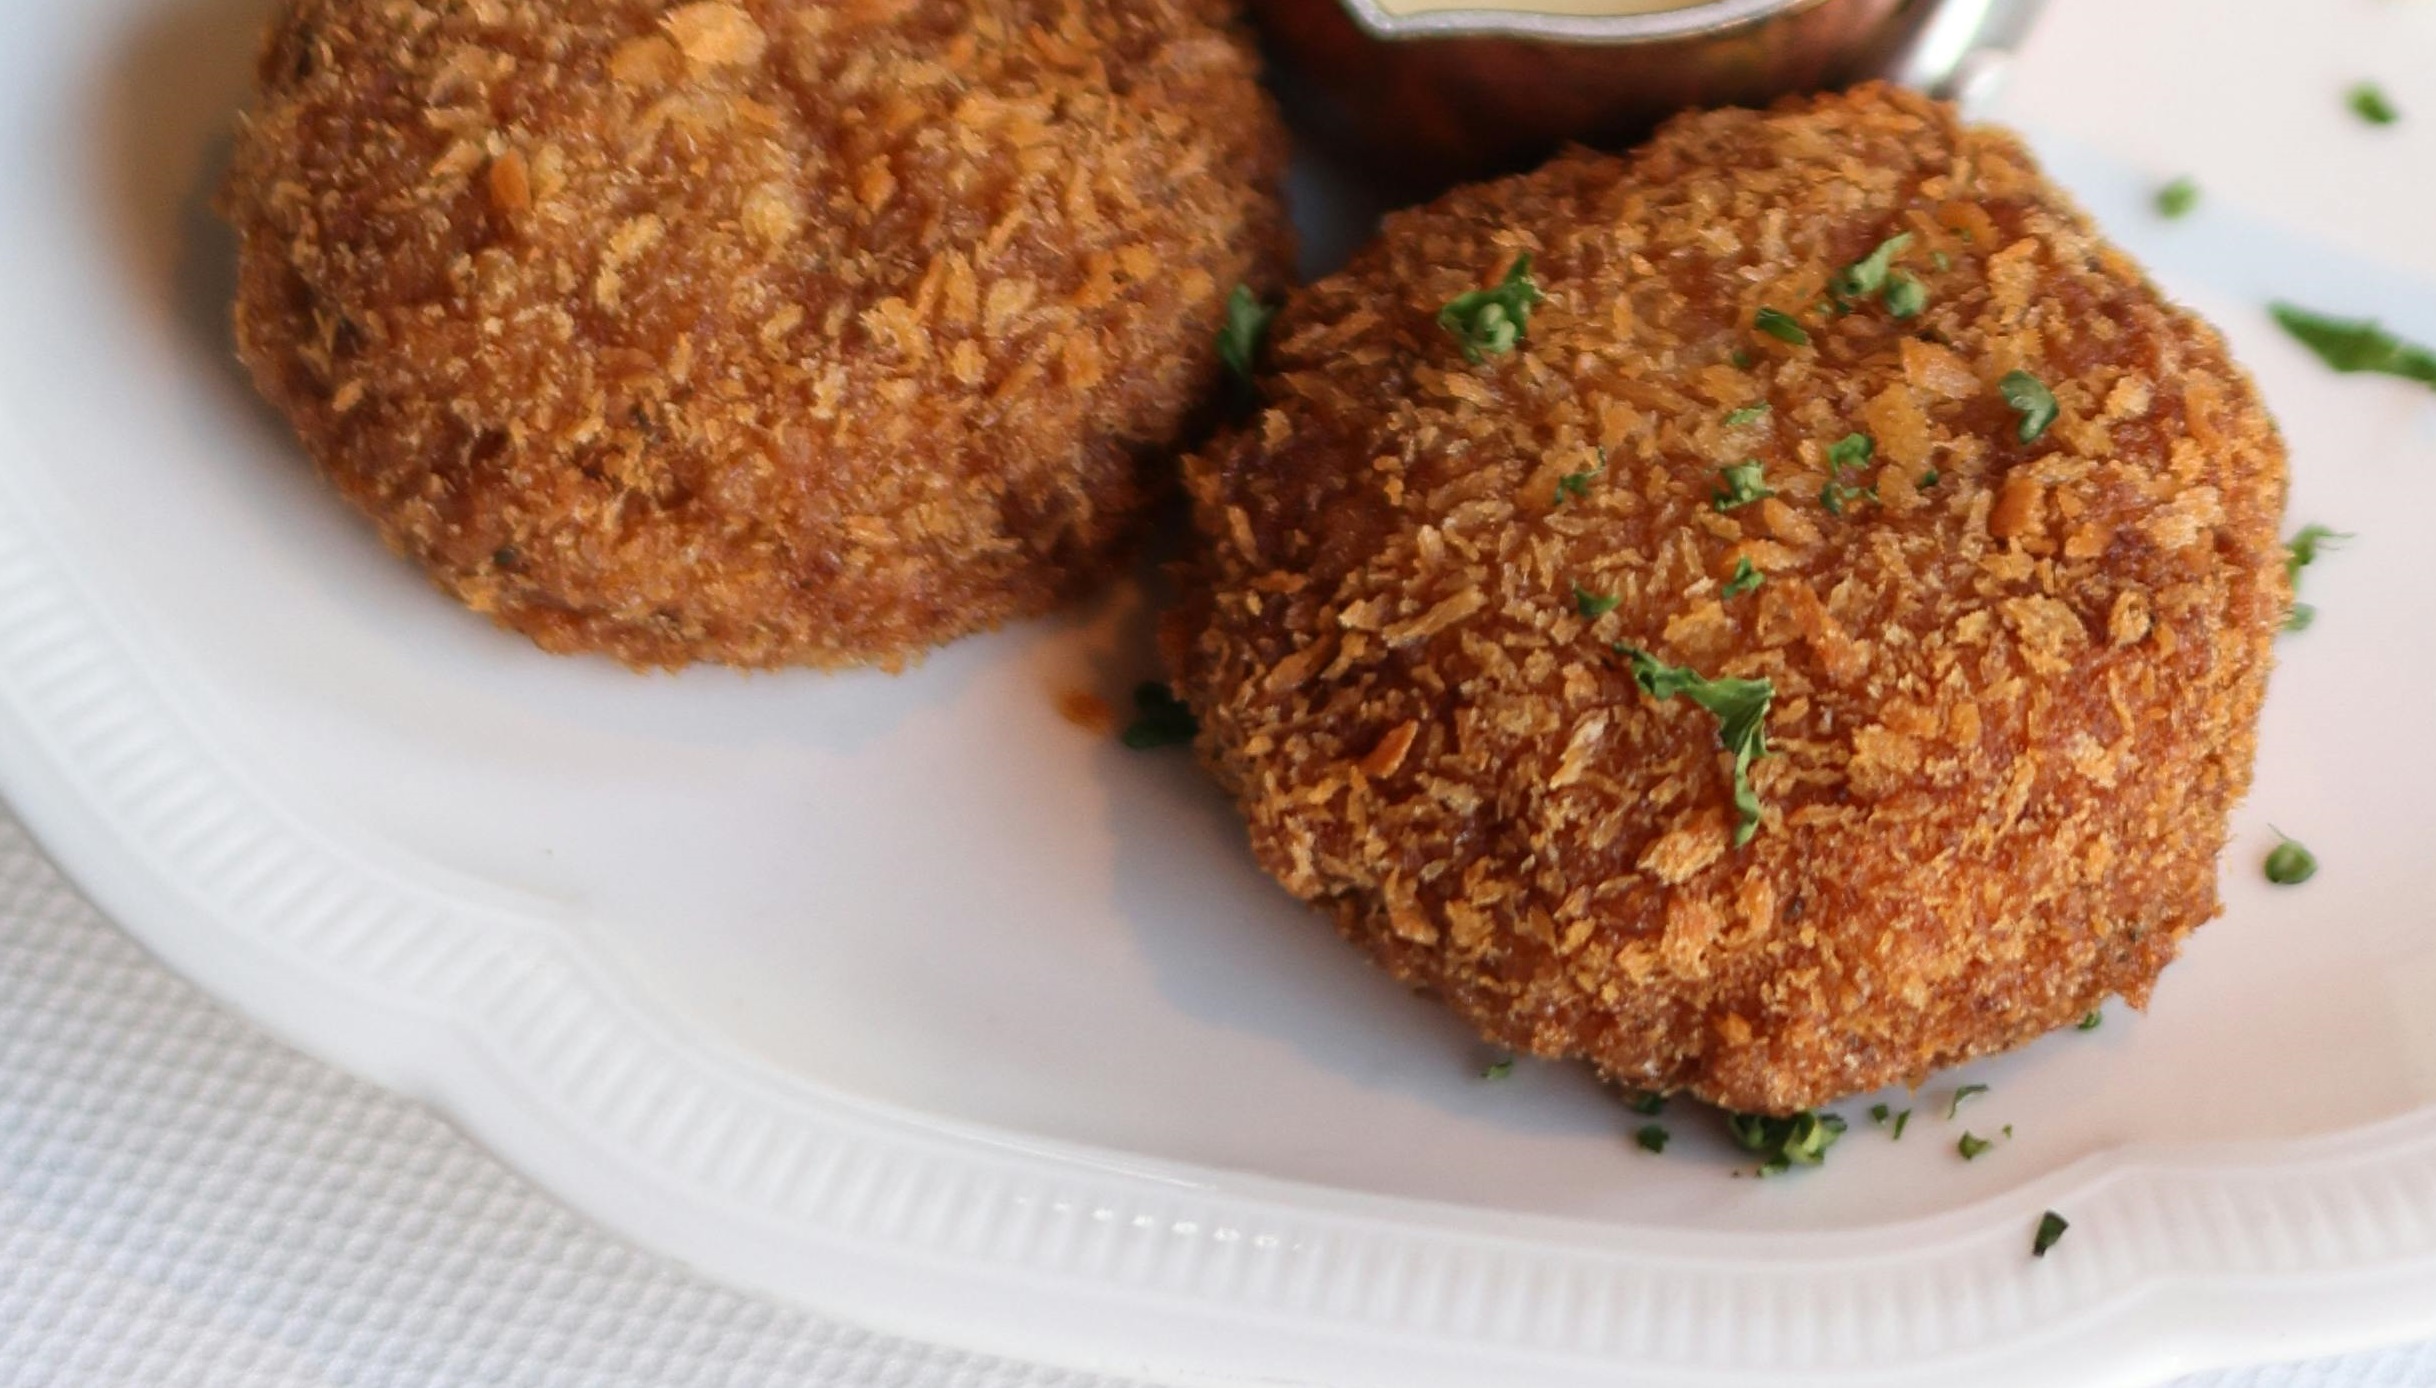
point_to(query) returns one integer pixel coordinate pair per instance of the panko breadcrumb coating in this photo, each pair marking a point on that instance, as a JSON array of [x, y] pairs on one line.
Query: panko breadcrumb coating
[[758, 332], [2014, 693]]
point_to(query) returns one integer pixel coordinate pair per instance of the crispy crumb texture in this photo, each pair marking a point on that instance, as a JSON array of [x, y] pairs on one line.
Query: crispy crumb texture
[[2012, 705], [757, 332]]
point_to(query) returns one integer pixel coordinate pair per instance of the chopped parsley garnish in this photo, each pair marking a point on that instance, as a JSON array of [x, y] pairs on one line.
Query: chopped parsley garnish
[[1748, 414], [1962, 1096], [2370, 103], [1868, 275], [2029, 395], [1883, 1115], [1905, 296], [1497, 1069], [2051, 1226], [1161, 719], [1971, 1147], [1781, 326], [2090, 1022], [1741, 709], [1744, 579], [1745, 482], [1490, 321], [2176, 199], [2289, 864], [1591, 605], [1741, 359], [2299, 554], [1900, 1119], [1878, 1114], [1576, 485], [1646, 1102], [1652, 1138], [1850, 451], [1784, 1143], [2303, 549], [1928, 479], [1247, 322], [2357, 344]]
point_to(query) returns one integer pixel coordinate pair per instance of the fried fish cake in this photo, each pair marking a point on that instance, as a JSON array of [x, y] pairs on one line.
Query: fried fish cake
[[757, 332], [1842, 397]]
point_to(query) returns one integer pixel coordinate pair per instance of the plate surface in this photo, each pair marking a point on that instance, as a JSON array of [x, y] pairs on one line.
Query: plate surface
[[905, 997]]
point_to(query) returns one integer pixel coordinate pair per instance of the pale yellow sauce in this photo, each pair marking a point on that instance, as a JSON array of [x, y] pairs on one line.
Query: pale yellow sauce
[[1594, 8]]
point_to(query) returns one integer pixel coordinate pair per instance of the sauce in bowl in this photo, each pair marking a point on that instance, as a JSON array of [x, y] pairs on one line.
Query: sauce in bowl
[[1579, 8], [1428, 92]]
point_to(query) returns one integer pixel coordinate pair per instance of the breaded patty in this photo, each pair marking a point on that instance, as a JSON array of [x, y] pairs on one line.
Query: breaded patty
[[2014, 680], [758, 332]]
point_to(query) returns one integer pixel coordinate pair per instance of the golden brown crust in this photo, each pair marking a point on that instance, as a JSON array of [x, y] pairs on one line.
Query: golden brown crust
[[759, 332], [2012, 708]]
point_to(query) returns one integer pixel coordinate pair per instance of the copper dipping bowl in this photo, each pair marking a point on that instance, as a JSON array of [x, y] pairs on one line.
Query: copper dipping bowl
[[1436, 96]]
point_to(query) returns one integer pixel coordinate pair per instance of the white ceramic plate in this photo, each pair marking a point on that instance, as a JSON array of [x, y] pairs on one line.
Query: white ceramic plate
[[907, 998]]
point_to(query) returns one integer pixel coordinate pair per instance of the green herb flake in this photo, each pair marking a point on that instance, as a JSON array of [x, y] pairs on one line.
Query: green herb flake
[[1900, 1119], [2303, 549], [1905, 296], [1867, 275], [1962, 1096], [2051, 1226], [1745, 482], [1748, 414], [1879, 1113], [2090, 1022], [1971, 1147], [1744, 579], [1593, 606], [2357, 345], [1781, 326], [1741, 710], [1652, 1138], [1646, 1102], [1575, 486], [2176, 199], [2029, 395], [1741, 358], [2369, 102], [1160, 719], [1784, 1143], [1487, 322], [1850, 451], [1929, 479], [1247, 323], [2289, 864], [1497, 1069]]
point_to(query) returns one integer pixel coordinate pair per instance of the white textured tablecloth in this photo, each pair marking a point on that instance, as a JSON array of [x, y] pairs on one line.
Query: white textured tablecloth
[[186, 1203]]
